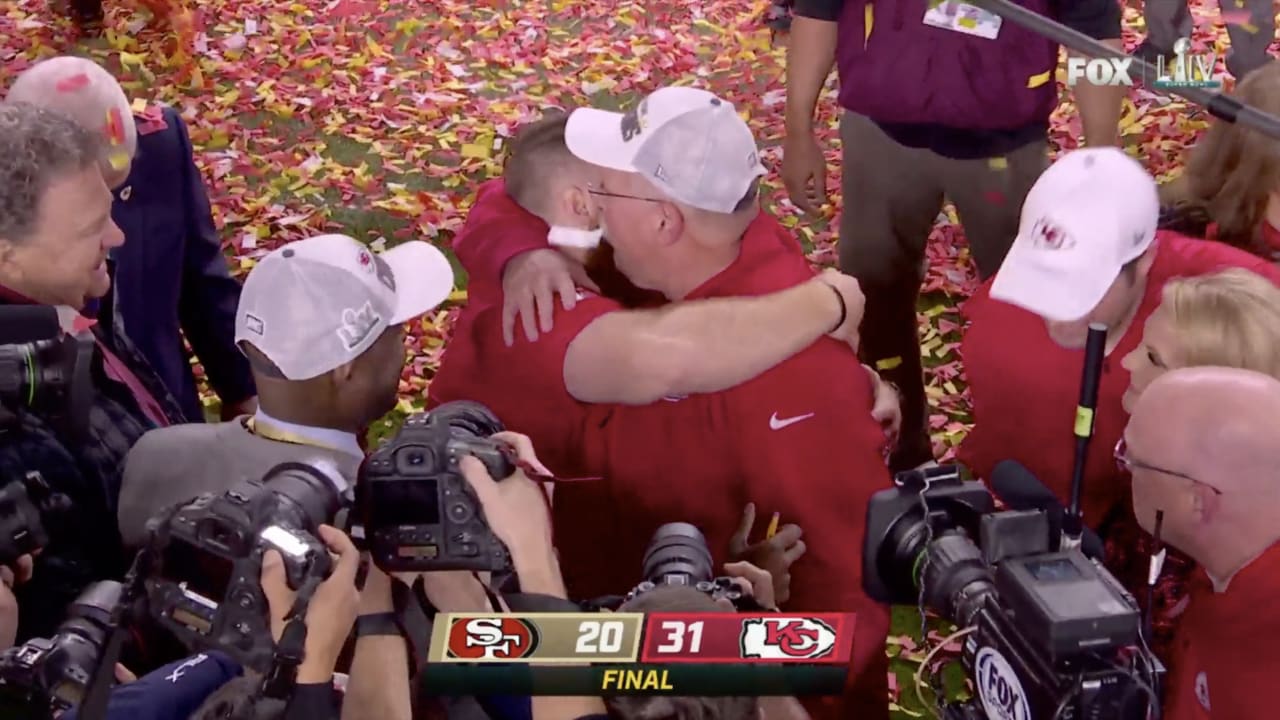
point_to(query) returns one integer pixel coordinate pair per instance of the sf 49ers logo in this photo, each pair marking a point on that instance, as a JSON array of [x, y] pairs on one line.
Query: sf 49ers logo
[[495, 638], [786, 638]]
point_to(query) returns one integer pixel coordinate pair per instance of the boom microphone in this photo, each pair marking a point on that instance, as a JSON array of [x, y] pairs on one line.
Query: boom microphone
[[1020, 489], [1094, 348]]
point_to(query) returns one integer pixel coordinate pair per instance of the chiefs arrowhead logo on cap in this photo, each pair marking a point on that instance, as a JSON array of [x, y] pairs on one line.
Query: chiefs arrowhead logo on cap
[[1045, 234]]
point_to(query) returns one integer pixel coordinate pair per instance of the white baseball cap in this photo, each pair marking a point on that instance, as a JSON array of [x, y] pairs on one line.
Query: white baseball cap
[[689, 143], [1092, 212], [316, 304]]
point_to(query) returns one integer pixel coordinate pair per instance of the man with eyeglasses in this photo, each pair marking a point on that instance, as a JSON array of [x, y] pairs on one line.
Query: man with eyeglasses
[[1203, 448], [1087, 251], [674, 185]]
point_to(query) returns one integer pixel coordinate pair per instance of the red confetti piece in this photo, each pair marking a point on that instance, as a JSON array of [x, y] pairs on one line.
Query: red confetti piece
[[994, 197], [73, 83]]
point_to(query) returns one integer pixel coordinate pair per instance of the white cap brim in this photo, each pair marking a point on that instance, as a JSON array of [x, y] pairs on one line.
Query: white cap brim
[[1052, 292], [595, 137], [424, 279]]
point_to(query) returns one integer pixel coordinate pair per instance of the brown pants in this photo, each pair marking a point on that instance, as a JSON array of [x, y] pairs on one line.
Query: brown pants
[[892, 195]]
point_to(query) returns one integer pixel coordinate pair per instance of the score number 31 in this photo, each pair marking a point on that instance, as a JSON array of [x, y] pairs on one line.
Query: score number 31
[[677, 632]]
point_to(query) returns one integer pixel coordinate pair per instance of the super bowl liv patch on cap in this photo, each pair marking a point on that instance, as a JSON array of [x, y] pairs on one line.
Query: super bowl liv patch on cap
[[315, 304]]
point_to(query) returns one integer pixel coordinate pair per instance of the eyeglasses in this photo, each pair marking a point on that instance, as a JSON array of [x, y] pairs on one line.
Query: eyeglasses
[[1128, 464], [602, 193]]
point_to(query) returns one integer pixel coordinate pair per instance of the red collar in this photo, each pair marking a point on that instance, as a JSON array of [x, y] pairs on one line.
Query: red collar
[[13, 296], [1270, 236]]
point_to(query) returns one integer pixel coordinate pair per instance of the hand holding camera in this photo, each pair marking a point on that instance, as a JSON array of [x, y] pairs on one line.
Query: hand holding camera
[[331, 612], [10, 576]]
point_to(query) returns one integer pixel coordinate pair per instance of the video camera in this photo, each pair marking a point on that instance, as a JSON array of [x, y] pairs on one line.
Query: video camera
[[678, 555], [1056, 635], [44, 370], [204, 585], [44, 677], [414, 508]]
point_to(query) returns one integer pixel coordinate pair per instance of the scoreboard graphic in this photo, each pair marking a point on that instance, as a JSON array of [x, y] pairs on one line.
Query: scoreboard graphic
[[633, 653]]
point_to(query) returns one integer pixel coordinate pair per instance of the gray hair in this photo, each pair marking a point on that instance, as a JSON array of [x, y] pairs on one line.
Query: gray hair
[[37, 147]]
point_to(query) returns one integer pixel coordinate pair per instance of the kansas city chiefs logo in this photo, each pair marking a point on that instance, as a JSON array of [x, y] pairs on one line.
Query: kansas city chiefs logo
[[495, 638], [786, 638]]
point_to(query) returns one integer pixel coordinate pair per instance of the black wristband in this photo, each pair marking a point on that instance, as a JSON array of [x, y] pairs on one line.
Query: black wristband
[[378, 624], [844, 309]]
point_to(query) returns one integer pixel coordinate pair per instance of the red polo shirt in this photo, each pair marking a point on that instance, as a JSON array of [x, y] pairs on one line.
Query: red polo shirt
[[1025, 386], [1226, 654], [524, 384], [798, 440]]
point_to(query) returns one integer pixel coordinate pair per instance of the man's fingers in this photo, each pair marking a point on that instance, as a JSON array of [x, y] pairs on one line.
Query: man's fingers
[[787, 536], [509, 312], [124, 675], [529, 318], [795, 552], [348, 556], [747, 571], [738, 543], [482, 484], [568, 292], [524, 449], [24, 568], [275, 584], [6, 576], [580, 277], [545, 299]]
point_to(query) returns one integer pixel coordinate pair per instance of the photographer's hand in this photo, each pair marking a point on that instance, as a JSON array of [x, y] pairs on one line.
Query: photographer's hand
[[330, 614], [774, 555], [10, 576], [761, 582], [516, 510], [887, 409]]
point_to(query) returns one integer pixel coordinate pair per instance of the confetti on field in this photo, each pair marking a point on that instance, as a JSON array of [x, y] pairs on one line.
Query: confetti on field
[[379, 119]]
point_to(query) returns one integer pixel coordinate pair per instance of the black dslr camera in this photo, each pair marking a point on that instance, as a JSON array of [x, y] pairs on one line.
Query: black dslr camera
[[44, 370], [678, 555], [24, 506], [204, 583], [43, 678], [1056, 635], [414, 508]]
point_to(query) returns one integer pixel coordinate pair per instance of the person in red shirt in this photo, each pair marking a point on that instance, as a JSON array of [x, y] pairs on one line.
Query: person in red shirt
[[1203, 447], [1087, 251], [683, 219], [1230, 190]]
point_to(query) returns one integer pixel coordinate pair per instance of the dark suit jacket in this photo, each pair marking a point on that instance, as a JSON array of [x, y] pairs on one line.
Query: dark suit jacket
[[171, 274]]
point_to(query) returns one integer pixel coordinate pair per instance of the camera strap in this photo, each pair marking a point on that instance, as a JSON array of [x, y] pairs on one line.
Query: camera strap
[[290, 651]]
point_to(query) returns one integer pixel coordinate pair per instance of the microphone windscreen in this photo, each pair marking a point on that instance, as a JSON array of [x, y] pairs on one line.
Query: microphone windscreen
[[28, 323]]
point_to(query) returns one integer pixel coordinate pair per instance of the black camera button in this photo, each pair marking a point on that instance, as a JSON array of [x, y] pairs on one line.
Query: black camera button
[[468, 550], [460, 512]]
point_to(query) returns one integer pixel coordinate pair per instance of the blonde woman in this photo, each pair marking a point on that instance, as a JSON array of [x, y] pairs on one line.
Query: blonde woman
[[1230, 190], [1227, 319]]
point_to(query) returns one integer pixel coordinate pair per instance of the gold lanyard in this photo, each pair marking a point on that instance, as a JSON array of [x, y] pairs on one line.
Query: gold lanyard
[[265, 430]]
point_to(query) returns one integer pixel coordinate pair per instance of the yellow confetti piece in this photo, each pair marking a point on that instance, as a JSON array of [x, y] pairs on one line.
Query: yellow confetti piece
[[119, 161], [138, 106], [888, 363], [475, 151], [998, 163]]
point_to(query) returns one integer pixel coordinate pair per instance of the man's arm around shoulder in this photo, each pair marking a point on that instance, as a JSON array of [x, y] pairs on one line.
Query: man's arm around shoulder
[[640, 356]]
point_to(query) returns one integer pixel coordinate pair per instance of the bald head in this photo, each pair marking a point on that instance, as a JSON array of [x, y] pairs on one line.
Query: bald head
[[84, 91], [1204, 449], [1212, 421]]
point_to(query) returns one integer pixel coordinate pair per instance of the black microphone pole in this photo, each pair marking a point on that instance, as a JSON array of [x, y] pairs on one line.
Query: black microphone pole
[[1219, 105], [1094, 349]]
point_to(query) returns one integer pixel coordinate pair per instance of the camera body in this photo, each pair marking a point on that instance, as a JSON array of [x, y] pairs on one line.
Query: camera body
[[205, 585], [416, 511], [1053, 630], [44, 677], [24, 506], [678, 554]]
